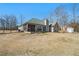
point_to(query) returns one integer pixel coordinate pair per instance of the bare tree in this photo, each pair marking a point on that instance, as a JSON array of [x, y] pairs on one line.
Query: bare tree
[[64, 19], [75, 17], [60, 15], [2, 21], [74, 13], [7, 21], [75, 10], [12, 23], [51, 18], [21, 19]]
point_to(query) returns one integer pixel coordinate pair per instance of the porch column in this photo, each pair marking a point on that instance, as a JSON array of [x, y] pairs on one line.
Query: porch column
[[42, 28], [35, 28], [47, 28], [26, 27]]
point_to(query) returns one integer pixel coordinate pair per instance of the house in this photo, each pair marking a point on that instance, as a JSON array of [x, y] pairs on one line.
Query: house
[[35, 25], [54, 27]]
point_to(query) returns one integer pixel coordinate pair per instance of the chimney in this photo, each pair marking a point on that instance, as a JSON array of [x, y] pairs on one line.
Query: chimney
[[46, 22]]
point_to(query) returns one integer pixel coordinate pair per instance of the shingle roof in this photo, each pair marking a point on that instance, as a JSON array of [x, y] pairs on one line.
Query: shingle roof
[[35, 21]]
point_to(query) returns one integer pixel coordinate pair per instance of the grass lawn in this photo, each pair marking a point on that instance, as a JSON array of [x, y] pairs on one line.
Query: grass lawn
[[42, 44]]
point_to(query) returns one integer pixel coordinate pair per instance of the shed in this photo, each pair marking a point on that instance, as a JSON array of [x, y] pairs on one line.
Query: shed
[[70, 29]]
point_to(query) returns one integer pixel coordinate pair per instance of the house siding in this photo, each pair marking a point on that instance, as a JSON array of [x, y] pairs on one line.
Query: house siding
[[37, 27]]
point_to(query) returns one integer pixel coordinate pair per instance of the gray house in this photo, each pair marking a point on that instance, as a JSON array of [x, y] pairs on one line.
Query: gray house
[[35, 25]]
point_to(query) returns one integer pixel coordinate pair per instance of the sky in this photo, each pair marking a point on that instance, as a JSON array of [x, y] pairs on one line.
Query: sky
[[30, 10]]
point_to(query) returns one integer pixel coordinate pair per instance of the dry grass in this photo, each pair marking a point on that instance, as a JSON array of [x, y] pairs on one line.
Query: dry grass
[[39, 44]]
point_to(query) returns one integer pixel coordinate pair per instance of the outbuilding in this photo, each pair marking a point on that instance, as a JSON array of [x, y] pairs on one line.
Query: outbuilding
[[70, 29]]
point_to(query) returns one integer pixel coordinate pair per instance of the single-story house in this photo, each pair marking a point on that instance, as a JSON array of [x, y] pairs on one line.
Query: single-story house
[[35, 25]]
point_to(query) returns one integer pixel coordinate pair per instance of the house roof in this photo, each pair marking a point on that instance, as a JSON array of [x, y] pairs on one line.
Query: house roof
[[35, 21]]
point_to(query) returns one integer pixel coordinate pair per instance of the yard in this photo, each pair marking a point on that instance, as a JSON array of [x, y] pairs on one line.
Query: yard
[[39, 44]]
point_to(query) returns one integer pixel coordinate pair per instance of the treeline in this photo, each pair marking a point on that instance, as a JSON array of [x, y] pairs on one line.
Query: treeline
[[66, 16], [8, 22]]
